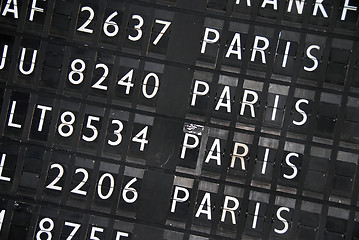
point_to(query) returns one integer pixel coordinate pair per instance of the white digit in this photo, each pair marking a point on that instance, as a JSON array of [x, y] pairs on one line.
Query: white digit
[[164, 29], [59, 176], [99, 187], [2, 216], [77, 189], [67, 124], [93, 232], [117, 132], [127, 81], [76, 227], [155, 89], [78, 71], [137, 28], [88, 21], [113, 24], [127, 189], [143, 140], [105, 74], [45, 230], [93, 128], [121, 234]]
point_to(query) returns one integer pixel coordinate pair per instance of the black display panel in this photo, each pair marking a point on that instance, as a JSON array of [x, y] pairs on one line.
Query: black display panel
[[179, 119]]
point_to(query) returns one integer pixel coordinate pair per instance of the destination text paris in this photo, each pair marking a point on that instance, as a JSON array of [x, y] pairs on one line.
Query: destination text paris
[[231, 204]]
